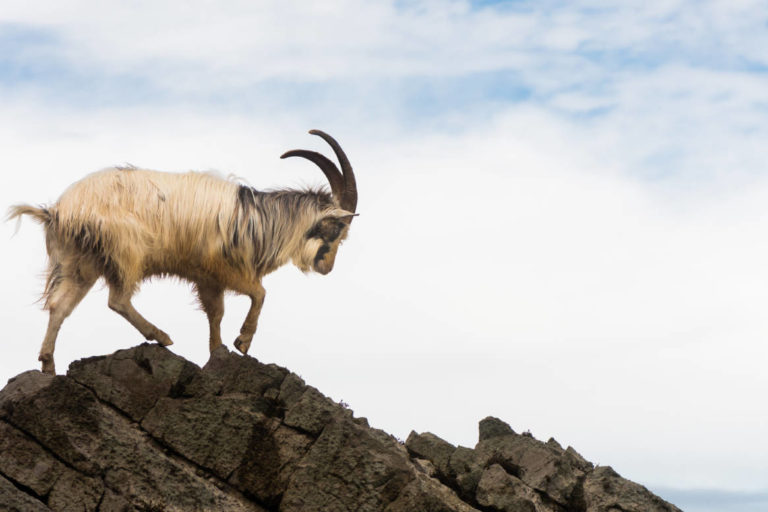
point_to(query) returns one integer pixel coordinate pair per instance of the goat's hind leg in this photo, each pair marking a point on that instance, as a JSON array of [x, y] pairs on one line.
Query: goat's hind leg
[[120, 302], [65, 291], [212, 301]]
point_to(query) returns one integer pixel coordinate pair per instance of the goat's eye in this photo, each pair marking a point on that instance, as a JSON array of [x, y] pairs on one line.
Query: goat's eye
[[314, 232], [333, 232], [327, 229]]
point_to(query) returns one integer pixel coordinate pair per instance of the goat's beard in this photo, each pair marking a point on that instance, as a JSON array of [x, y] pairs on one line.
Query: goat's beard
[[306, 258]]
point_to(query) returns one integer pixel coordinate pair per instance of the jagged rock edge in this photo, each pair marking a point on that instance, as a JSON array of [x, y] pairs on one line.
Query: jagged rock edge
[[208, 473], [168, 450], [272, 394], [163, 447]]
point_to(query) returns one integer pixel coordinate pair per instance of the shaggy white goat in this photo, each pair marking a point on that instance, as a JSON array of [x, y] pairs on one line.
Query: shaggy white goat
[[128, 224]]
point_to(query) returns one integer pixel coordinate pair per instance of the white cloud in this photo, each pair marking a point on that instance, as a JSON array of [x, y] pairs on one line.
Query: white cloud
[[183, 45]]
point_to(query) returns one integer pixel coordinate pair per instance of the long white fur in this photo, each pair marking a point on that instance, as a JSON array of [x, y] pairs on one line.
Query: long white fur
[[127, 224]]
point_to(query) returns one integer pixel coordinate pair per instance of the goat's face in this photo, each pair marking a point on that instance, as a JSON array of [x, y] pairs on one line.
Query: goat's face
[[322, 242], [322, 239]]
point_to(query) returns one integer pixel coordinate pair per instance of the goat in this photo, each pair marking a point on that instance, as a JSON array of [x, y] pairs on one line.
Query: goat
[[127, 224]]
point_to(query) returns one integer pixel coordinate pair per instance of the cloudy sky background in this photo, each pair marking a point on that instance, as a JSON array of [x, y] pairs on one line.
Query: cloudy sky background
[[564, 207]]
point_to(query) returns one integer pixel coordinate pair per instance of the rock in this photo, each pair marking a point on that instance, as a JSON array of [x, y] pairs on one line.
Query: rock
[[552, 443], [462, 460], [33, 468], [493, 427], [501, 491], [291, 390], [26, 462], [429, 446], [427, 494], [104, 450], [15, 500], [465, 470], [133, 380], [273, 452], [59, 413], [242, 374], [425, 466], [213, 432], [348, 468], [76, 492], [515, 472], [145, 430], [312, 411], [606, 491], [540, 466], [23, 385]]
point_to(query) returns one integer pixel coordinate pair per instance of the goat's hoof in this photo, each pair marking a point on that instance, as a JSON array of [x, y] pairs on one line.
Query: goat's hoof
[[242, 345], [48, 366], [162, 338]]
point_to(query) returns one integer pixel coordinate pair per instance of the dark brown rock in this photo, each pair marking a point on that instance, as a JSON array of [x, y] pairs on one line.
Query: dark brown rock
[[429, 446], [427, 495], [515, 472], [59, 413], [494, 427], [466, 471], [99, 449], [606, 491], [291, 390], [26, 462], [21, 386], [211, 431], [347, 468], [272, 454], [13, 499], [145, 430], [242, 374], [540, 466], [133, 380], [76, 492], [501, 491], [312, 411], [425, 466]]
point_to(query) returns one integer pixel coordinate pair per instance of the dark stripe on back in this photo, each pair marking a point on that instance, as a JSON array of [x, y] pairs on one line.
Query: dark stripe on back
[[246, 196]]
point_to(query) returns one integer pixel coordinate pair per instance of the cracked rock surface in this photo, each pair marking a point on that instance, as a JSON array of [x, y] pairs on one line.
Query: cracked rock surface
[[146, 430], [510, 472]]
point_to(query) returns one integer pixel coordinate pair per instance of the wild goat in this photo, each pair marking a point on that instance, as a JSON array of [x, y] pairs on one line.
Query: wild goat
[[128, 224]]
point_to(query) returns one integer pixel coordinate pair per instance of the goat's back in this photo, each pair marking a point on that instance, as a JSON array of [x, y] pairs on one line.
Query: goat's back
[[141, 218]]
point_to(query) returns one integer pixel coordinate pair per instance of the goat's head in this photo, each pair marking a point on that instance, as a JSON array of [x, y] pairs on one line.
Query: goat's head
[[323, 238]]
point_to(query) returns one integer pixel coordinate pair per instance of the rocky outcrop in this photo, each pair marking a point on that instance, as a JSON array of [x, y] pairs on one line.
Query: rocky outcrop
[[513, 472], [146, 430]]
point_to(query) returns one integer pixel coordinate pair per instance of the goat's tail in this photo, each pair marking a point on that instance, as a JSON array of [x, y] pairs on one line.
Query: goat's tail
[[41, 215]]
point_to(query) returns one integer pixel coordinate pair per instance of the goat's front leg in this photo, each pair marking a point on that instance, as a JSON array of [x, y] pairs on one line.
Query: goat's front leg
[[243, 341]]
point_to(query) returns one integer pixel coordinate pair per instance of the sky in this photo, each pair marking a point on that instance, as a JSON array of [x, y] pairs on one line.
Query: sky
[[563, 207]]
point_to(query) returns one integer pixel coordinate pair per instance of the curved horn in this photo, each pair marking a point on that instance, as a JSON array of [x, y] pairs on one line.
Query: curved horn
[[329, 169], [348, 199]]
